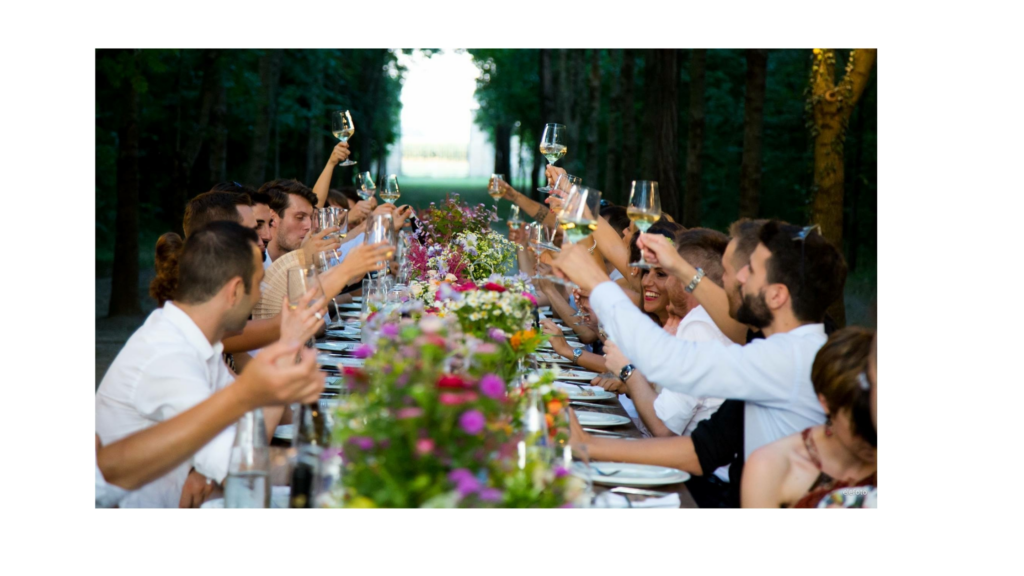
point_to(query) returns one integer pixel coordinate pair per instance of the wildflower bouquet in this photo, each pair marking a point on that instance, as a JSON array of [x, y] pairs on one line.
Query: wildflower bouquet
[[440, 223], [490, 307], [485, 253]]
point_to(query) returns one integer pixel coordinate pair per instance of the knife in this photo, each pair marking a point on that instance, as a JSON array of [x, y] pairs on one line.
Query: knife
[[580, 403], [605, 432], [638, 492]]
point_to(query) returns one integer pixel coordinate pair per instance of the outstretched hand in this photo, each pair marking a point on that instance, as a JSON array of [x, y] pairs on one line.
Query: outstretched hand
[[575, 263], [659, 251], [316, 242], [274, 378], [339, 154]]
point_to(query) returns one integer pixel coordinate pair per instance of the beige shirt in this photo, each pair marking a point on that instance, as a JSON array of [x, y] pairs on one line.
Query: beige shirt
[[275, 285]]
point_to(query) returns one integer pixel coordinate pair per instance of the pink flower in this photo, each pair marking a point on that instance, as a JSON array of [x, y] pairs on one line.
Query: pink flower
[[490, 495], [406, 413], [465, 286], [389, 330], [424, 446], [363, 351], [497, 334], [362, 442], [530, 297], [486, 348], [472, 422], [451, 381], [449, 399], [492, 386]]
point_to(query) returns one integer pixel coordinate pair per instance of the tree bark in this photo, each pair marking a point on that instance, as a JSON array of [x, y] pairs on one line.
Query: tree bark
[[270, 74], [503, 151], [219, 135], [124, 295], [573, 163], [613, 137], [695, 139], [592, 166], [190, 143], [314, 127], [853, 239], [665, 134], [651, 103], [628, 145], [831, 106], [547, 111], [753, 129]]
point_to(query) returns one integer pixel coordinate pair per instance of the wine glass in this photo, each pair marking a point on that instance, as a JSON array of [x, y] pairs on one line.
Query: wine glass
[[380, 229], [553, 142], [644, 210], [562, 184], [366, 186], [339, 219], [389, 191], [578, 217], [343, 129], [514, 221], [302, 279], [494, 189]]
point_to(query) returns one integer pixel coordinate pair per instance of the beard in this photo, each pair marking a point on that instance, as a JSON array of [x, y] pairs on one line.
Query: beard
[[754, 311]]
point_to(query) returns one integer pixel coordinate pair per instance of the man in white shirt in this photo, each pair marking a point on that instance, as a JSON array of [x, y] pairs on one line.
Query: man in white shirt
[[793, 276], [173, 361]]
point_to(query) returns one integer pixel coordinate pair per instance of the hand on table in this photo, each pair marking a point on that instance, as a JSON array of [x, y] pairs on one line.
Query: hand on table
[[610, 383]]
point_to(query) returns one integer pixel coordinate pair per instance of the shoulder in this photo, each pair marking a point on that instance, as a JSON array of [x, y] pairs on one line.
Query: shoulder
[[765, 472]]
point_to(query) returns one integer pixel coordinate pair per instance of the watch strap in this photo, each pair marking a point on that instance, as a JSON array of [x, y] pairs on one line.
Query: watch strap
[[696, 280]]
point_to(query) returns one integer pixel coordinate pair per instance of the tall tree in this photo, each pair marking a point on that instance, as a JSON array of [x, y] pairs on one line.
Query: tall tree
[[218, 145], [594, 114], [830, 106], [190, 141], [315, 120], [613, 137], [266, 114], [753, 129], [695, 139], [665, 135], [627, 152], [547, 110], [124, 296]]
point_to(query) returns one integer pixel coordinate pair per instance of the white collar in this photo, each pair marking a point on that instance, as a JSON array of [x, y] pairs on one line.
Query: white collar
[[193, 335], [806, 329]]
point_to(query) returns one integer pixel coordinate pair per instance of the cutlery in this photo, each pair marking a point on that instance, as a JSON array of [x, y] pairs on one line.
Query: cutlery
[[579, 403], [604, 432], [638, 492], [612, 473]]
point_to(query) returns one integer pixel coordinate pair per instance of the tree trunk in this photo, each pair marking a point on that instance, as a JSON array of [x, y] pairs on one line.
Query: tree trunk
[[592, 169], [573, 163], [314, 125], [191, 142], [695, 138], [612, 137], [266, 112], [627, 156], [503, 151], [651, 103], [753, 128], [219, 136], [124, 296], [666, 144], [831, 106], [547, 110]]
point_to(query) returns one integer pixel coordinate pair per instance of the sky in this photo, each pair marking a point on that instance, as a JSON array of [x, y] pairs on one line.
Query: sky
[[437, 98]]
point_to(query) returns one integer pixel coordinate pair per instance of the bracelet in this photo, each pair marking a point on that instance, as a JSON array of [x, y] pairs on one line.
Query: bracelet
[[696, 280]]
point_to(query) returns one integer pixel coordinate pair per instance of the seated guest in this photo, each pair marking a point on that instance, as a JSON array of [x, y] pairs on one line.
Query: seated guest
[[793, 276], [292, 203], [801, 469], [136, 460], [173, 361]]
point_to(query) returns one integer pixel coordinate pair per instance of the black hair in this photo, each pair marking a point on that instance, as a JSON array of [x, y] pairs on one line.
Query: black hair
[[211, 207], [811, 268]]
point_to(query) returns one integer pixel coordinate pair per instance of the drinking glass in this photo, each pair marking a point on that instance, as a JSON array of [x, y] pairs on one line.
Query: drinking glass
[[339, 219], [381, 229], [562, 184], [541, 238], [494, 188], [578, 217], [321, 219], [302, 279], [389, 191], [553, 142], [514, 221], [366, 186], [644, 210], [343, 129], [248, 481]]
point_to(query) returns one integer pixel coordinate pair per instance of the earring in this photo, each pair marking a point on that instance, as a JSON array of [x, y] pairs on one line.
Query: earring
[[828, 426]]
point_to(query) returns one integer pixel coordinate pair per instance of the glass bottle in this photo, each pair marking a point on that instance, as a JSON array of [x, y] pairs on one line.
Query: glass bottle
[[312, 435], [248, 481]]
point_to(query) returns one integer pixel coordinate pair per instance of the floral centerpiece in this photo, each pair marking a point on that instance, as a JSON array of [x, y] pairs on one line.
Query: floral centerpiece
[[429, 422]]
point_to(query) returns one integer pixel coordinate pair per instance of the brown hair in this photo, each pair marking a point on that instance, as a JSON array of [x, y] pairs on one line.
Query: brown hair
[[835, 375], [280, 189], [745, 231], [703, 248], [212, 207], [163, 286]]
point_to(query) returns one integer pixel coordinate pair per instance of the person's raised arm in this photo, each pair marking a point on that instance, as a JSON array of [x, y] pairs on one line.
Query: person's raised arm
[[560, 305], [323, 183], [272, 378], [534, 209], [360, 260], [711, 296]]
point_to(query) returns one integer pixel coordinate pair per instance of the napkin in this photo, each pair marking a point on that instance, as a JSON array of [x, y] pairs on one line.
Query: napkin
[[613, 500]]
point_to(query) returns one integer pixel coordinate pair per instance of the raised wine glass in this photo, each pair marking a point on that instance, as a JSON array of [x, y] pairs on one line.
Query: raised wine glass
[[343, 129], [514, 221], [644, 210], [389, 191], [494, 189], [366, 186], [553, 142], [578, 217]]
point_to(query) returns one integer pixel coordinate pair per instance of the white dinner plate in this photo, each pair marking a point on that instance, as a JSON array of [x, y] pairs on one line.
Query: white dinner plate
[[334, 360], [337, 346], [577, 375], [587, 393], [547, 347], [600, 419], [345, 333], [550, 358], [284, 432], [624, 474]]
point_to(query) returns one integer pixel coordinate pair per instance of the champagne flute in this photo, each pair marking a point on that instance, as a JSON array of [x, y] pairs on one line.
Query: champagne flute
[[366, 186], [644, 210], [494, 189], [343, 129], [339, 220], [389, 191]]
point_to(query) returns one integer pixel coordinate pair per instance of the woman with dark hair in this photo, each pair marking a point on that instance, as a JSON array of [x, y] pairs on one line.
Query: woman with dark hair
[[162, 288], [800, 470]]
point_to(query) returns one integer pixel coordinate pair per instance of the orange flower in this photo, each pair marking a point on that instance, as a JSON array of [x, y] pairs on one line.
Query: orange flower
[[551, 421], [523, 335], [554, 407]]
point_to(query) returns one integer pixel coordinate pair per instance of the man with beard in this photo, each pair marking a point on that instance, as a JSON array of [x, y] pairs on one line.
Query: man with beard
[[173, 362], [792, 277]]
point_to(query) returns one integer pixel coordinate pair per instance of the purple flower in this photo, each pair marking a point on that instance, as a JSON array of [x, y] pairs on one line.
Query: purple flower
[[406, 413], [496, 334], [490, 495], [492, 386], [464, 481], [362, 442], [561, 472], [389, 330], [472, 421], [363, 351], [403, 379]]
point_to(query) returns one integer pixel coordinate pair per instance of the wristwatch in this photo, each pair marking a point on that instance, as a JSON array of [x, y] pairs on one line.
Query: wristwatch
[[576, 353], [696, 280], [626, 372]]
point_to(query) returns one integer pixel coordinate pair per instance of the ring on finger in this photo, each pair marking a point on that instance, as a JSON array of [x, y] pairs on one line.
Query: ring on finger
[[318, 315]]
